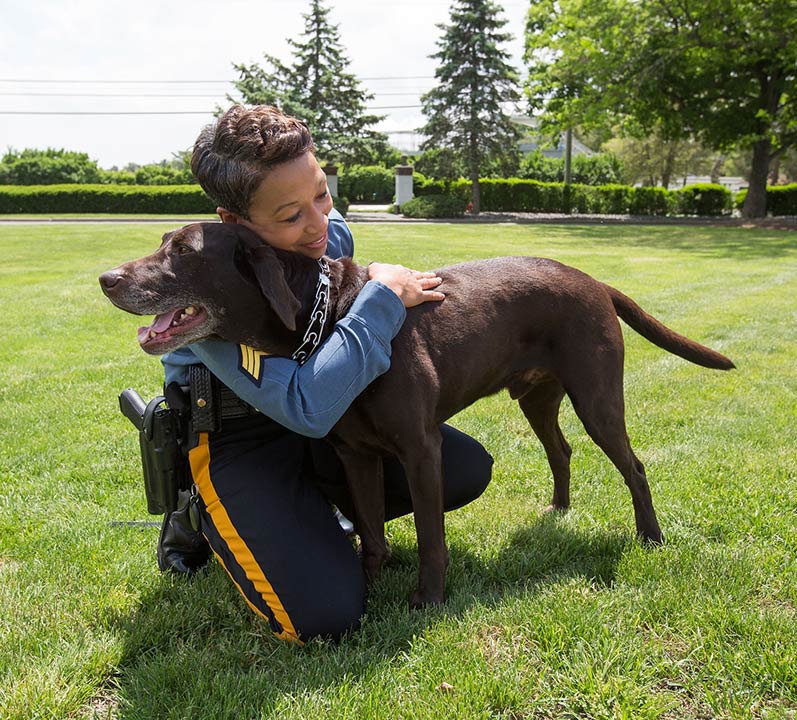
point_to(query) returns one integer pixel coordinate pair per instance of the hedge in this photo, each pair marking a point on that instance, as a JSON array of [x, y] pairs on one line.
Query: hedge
[[497, 195], [341, 204], [178, 199], [434, 206], [703, 199], [533, 196], [781, 199]]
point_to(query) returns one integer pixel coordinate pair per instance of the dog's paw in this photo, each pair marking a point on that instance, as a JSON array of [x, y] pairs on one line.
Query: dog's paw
[[423, 599], [372, 565], [555, 508]]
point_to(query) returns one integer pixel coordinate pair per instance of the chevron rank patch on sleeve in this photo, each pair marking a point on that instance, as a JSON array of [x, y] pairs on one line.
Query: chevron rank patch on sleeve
[[249, 362]]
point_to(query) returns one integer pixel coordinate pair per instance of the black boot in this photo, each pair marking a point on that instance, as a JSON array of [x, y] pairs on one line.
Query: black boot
[[182, 549]]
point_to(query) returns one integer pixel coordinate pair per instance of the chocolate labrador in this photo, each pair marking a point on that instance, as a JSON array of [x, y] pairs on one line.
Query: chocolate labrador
[[534, 326]]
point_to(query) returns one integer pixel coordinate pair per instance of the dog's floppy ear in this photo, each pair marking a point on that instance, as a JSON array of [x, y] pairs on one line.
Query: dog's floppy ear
[[270, 275]]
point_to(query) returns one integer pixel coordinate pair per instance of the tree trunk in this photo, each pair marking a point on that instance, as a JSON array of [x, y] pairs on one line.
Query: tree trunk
[[774, 172], [716, 168], [475, 194], [669, 164], [473, 164], [755, 204]]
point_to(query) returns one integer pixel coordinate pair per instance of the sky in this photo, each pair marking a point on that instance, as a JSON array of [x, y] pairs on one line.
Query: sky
[[88, 75]]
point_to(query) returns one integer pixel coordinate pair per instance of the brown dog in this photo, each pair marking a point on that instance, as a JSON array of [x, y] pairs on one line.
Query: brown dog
[[534, 326]]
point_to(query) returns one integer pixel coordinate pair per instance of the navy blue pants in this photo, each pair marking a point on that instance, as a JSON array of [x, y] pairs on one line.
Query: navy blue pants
[[265, 495]]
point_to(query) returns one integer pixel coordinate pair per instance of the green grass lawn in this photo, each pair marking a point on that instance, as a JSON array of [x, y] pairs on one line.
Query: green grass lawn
[[562, 616]]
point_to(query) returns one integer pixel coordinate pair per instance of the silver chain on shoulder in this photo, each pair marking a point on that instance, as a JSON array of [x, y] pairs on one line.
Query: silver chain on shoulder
[[318, 316]]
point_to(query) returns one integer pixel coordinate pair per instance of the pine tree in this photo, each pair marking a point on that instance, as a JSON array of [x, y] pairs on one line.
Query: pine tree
[[465, 112], [318, 88]]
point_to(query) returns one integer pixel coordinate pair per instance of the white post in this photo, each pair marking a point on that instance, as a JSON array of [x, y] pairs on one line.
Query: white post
[[331, 171], [403, 182]]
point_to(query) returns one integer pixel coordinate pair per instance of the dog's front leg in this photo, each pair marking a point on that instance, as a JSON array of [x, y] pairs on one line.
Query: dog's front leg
[[365, 480], [423, 466]]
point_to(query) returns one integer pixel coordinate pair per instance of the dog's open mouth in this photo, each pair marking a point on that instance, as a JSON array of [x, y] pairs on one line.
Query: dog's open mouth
[[165, 331]]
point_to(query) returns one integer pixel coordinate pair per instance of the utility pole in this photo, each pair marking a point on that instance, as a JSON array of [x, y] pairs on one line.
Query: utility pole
[[568, 155]]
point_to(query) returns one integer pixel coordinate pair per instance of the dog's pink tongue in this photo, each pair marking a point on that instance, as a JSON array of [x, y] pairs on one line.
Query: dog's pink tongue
[[159, 324], [162, 322]]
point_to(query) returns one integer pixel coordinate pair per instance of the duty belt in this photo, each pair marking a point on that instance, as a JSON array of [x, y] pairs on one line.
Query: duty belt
[[212, 401]]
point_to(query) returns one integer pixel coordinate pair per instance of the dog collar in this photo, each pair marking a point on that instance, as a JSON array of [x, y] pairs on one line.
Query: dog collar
[[318, 316]]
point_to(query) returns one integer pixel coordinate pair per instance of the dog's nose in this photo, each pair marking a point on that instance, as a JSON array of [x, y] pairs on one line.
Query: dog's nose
[[109, 279]]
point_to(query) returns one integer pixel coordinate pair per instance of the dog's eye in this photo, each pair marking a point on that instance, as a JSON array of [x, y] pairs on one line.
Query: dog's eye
[[181, 249]]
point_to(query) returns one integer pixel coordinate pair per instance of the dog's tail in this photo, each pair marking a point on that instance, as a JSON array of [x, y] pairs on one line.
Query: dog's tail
[[659, 334]]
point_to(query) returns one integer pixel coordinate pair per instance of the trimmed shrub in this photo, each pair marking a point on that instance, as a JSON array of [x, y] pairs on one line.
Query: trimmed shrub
[[703, 199], [516, 195], [341, 204], [739, 198], [648, 200], [611, 199], [433, 206], [782, 199], [426, 186], [133, 199], [367, 183]]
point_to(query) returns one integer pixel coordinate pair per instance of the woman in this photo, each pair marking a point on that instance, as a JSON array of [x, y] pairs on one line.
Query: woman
[[266, 480]]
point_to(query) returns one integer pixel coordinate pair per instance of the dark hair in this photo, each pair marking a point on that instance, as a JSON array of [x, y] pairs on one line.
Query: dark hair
[[232, 156]]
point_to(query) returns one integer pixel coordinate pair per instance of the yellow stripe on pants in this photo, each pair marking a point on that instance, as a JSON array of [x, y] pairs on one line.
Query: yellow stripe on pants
[[200, 469]]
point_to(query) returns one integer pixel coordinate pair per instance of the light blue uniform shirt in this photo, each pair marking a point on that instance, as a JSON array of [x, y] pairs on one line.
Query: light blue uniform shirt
[[308, 399]]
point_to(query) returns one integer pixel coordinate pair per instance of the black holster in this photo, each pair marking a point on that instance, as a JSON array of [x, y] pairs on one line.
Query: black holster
[[162, 437]]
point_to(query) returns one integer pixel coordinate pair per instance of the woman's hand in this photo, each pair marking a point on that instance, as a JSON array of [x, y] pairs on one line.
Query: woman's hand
[[412, 287]]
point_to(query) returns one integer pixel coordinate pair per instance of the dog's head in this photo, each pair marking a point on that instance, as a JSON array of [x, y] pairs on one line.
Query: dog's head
[[205, 279]]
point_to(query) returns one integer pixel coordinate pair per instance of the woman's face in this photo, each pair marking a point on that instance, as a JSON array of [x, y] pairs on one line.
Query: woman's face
[[290, 210]]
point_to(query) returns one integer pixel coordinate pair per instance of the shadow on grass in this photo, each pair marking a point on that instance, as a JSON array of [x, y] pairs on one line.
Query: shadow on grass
[[193, 649], [706, 241]]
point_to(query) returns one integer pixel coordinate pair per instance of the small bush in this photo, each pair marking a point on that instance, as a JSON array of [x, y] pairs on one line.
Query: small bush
[[782, 199], [703, 199], [341, 204], [648, 200], [367, 184], [433, 206], [611, 199], [516, 195], [456, 188]]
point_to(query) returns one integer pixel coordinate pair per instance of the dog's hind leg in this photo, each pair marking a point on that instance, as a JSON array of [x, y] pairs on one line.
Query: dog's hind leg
[[597, 396], [540, 405]]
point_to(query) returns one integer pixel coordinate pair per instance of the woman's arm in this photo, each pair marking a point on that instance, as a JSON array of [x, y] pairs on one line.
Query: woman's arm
[[309, 399]]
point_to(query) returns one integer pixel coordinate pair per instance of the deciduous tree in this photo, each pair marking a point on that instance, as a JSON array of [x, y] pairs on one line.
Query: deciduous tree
[[47, 167], [721, 71]]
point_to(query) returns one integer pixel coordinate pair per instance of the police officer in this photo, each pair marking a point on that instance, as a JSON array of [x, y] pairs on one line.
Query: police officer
[[266, 480]]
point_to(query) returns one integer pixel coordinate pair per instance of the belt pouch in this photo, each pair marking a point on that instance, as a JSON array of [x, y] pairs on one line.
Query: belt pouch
[[204, 392]]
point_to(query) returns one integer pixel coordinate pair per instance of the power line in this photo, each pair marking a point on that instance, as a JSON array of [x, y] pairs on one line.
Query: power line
[[139, 82], [157, 82], [160, 95], [103, 95], [106, 112], [394, 107], [160, 112]]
